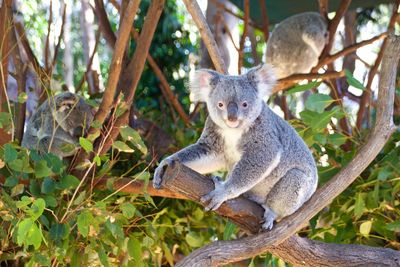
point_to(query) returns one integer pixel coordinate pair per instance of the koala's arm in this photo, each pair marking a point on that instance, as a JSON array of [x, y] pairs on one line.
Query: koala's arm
[[204, 156], [254, 165]]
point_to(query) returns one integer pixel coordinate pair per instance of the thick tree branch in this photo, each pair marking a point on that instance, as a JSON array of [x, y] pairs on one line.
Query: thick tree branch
[[133, 71], [206, 35], [223, 252], [116, 62]]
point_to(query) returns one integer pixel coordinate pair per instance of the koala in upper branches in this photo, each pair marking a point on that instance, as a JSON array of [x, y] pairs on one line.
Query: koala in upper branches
[[296, 43], [57, 125], [265, 158]]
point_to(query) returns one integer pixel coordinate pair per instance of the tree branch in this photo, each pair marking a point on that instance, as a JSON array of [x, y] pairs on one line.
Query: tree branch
[[223, 252], [367, 93], [206, 35], [295, 78], [133, 71], [333, 24]]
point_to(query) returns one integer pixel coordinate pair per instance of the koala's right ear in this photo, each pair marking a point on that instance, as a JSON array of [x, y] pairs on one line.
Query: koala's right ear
[[202, 83]]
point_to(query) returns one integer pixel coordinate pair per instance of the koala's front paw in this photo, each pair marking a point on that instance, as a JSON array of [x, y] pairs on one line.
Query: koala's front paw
[[215, 197], [159, 173]]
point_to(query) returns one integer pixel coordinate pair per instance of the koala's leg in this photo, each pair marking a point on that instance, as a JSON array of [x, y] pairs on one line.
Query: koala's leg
[[57, 146], [288, 195]]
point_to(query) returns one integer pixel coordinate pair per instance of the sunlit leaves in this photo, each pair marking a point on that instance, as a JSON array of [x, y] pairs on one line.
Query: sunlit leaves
[[303, 87], [129, 134], [85, 219], [318, 102], [353, 81], [86, 144]]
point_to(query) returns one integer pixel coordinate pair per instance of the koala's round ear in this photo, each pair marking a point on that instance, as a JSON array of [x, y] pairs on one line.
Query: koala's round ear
[[202, 83], [264, 78]]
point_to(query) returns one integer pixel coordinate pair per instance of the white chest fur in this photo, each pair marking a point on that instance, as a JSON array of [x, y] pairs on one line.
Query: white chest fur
[[231, 142]]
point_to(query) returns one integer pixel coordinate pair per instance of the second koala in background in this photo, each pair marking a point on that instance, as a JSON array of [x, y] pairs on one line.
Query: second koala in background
[[296, 44], [266, 159], [57, 125]]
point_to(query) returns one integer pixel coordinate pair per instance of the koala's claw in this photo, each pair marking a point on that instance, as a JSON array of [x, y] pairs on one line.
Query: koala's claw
[[159, 173], [215, 198], [269, 218]]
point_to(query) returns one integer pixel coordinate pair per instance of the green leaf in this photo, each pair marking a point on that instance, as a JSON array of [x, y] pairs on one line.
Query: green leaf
[[317, 121], [194, 240], [168, 254], [17, 190], [128, 210], [384, 174], [86, 144], [48, 186], [10, 153], [365, 228], [97, 160], [22, 97], [59, 231], [37, 208], [394, 226], [359, 206], [353, 81], [133, 136], [135, 249], [11, 181], [103, 256], [318, 102], [42, 170], [29, 233], [85, 219], [23, 229], [21, 165], [230, 228], [121, 146], [68, 182], [337, 139], [301, 88]]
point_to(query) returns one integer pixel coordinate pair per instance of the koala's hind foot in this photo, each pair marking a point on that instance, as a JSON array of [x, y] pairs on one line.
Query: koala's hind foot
[[269, 218], [289, 194]]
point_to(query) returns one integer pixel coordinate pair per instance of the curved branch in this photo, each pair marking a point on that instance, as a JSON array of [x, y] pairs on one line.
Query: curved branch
[[223, 252]]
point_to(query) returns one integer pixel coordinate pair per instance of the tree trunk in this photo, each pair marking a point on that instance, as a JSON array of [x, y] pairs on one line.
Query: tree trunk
[[68, 56], [94, 78], [5, 26]]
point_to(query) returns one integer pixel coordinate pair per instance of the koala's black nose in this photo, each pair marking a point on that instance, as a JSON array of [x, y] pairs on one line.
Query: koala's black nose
[[232, 111], [78, 132]]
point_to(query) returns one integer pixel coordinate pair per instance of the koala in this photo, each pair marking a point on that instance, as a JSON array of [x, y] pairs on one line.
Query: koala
[[265, 158], [57, 124], [296, 43]]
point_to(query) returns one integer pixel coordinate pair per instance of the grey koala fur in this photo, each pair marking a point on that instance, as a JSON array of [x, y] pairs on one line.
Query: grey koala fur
[[296, 44], [265, 158], [57, 123]]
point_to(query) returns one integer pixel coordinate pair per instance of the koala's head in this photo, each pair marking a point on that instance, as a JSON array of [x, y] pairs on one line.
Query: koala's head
[[72, 113], [233, 101]]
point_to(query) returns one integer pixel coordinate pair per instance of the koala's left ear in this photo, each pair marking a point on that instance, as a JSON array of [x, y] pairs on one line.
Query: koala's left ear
[[202, 83], [264, 78]]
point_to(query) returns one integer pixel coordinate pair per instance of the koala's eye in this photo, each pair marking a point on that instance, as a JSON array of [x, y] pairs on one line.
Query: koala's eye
[[244, 104], [220, 105]]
